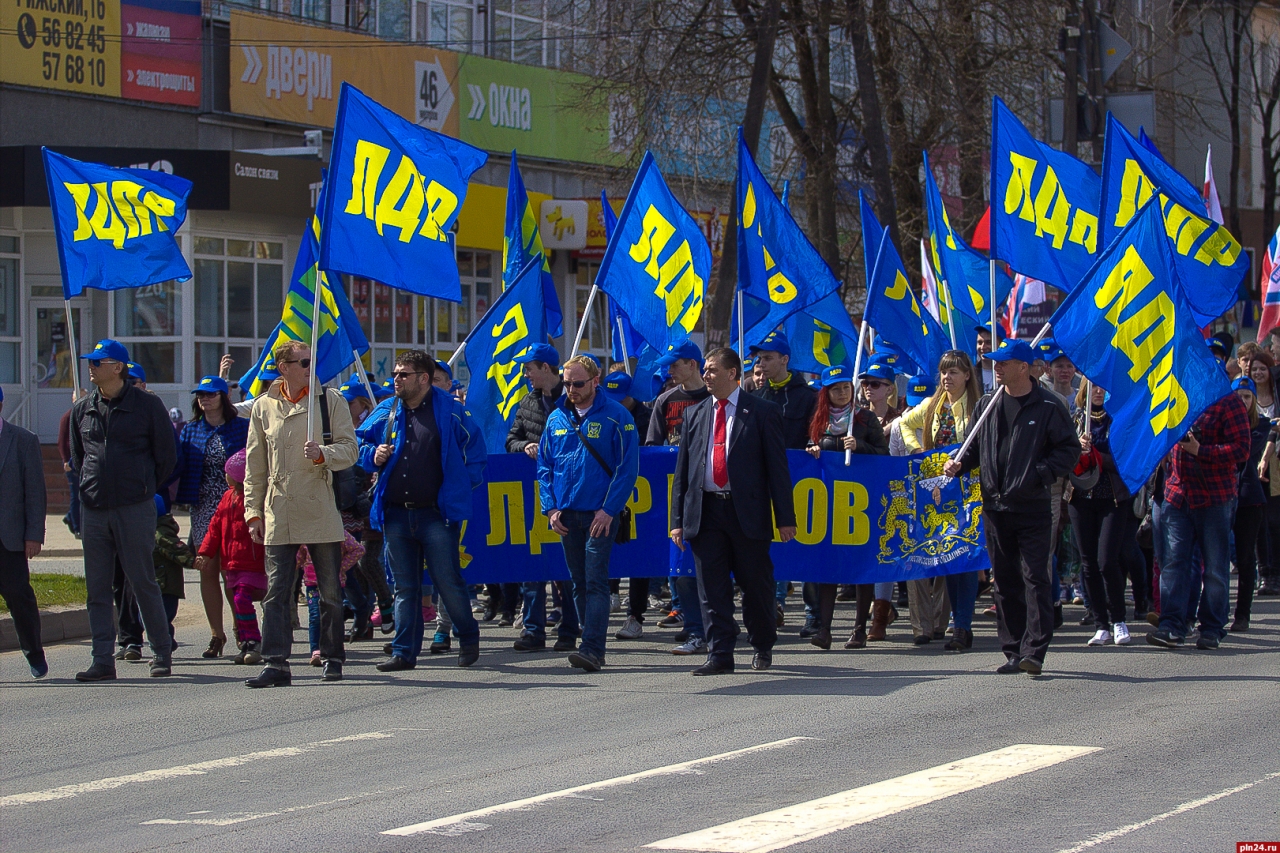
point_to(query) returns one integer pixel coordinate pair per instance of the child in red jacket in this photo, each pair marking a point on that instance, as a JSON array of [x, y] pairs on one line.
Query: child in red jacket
[[243, 562]]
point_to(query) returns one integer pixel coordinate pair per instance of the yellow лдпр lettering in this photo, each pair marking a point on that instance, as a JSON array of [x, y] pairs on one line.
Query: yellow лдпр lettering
[[679, 286], [402, 202], [122, 210], [506, 513]]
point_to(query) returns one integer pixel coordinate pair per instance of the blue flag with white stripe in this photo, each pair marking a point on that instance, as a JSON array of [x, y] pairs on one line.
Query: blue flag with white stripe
[[115, 227], [1127, 327]]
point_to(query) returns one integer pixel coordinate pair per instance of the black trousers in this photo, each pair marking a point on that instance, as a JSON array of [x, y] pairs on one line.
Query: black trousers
[[128, 618], [1100, 529], [638, 595], [15, 588], [1018, 544], [722, 553], [1247, 529]]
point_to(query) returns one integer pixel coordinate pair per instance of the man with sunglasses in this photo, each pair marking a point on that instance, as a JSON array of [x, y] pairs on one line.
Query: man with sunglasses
[[288, 502], [122, 444]]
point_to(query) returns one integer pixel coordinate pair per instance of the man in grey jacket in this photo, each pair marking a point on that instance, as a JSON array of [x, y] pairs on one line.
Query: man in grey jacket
[[21, 534], [122, 445]]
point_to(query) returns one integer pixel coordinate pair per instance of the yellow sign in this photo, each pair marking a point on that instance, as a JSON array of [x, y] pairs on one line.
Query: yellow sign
[[72, 45], [294, 72]]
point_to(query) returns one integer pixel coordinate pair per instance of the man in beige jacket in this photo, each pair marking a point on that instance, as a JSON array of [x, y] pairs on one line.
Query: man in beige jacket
[[288, 502]]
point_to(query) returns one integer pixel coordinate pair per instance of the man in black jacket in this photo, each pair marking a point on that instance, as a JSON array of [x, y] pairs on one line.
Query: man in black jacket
[[542, 369], [1026, 444], [731, 482], [122, 445]]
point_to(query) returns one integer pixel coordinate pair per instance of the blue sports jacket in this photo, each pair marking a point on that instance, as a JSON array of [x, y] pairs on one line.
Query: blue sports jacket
[[569, 477], [462, 453]]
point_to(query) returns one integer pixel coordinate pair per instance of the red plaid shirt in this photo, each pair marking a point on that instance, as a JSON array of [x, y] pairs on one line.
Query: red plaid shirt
[[1211, 477]]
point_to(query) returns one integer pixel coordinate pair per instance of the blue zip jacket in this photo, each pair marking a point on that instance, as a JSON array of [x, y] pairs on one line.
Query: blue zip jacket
[[195, 435], [569, 477], [462, 453]]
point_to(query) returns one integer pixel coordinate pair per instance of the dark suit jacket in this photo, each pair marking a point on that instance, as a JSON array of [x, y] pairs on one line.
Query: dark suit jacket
[[22, 485], [758, 470]]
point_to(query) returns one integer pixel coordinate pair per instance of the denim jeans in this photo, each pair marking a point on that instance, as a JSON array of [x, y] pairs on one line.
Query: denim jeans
[[414, 536], [588, 559], [280, 603], [535, 613], [313, 618], [684, 593], [1180, 580], [962, 591]]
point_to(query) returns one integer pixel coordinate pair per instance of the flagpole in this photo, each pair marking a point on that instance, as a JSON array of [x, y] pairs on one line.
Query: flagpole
[[315, 354], [857, 368], [75, 354], [364, 378], [453, 359], [742, 380], [995, 398], [586, 315], [991, 265], [622, 342], [951, 316]]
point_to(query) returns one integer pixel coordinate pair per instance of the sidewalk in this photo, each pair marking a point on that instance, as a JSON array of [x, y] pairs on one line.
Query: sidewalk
[[58, 541]]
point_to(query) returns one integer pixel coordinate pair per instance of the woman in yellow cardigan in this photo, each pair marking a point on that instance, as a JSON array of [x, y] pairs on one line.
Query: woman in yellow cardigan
[[941, 420]]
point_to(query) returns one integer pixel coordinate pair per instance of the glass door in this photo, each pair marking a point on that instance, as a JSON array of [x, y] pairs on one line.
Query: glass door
[[51, 380]]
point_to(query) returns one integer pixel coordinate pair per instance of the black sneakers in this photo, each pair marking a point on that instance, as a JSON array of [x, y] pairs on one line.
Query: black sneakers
[[97, 672]]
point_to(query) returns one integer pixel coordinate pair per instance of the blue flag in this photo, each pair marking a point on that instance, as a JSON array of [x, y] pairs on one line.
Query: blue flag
[[115, 227], [821, 336], [397, 190], [657, 264], [961, 271], [779, 270], [1045, 205], [522, 241], [621, 330], [516, 321], [341, 337], [892, 307], [1126, 326], [1211, 263]]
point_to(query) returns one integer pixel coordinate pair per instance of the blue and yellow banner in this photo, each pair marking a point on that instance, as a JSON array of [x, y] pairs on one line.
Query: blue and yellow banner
[[516, 321], [1210, 261], [397, 189], [522, 242], [962, 272], [657, 263], [892, 308], [1044, 205], [1127, 327], [779, 270], [821, 336], [625, 342], [115, 227], [883, 518]]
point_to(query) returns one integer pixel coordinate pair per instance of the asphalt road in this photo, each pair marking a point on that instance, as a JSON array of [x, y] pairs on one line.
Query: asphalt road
[[1137, 749]]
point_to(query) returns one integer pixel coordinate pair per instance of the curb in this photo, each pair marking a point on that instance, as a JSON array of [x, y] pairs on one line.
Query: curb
[[61, 552], [56, 626]]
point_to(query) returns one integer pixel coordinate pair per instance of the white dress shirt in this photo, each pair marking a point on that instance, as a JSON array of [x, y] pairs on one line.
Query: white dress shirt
[[708, 481]]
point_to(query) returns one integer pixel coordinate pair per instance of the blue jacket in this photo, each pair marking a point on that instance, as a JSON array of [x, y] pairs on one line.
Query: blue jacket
[[569, 477], [195, 435], [462, 453]]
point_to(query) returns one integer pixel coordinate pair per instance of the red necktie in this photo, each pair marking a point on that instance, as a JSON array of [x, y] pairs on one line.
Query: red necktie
[[719, 464]]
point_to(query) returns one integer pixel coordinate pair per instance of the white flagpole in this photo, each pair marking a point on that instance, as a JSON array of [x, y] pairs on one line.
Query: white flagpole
[[951, 316], [853, 401], [991, 265], [315, 351], [586, 315], [364, 378], [75, 353], [742, 380], [453, 359], [622, 342]]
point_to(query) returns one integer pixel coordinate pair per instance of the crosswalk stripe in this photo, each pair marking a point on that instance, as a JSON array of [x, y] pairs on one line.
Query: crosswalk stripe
[[467, 822], [816, 818]]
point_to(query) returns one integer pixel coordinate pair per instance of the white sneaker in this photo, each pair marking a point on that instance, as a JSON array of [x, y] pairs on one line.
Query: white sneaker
[[1101, 638], [1121, 633], [615, 603], [693, 646], [632, 630]]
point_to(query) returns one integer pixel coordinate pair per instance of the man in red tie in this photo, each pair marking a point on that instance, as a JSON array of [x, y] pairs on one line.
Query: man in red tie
[[731, 482]]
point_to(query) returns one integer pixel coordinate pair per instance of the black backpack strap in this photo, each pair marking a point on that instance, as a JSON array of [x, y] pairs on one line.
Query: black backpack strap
[[326, 431]]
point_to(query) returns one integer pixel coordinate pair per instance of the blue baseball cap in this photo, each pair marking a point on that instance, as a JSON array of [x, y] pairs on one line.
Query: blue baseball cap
[[836, 374], [1, 394], [455, 385], [1013, 349], [1048, 346], [1218, 347], [353, 389], [681, 349], [1246, 383], [539, 352], [986, 327], [444, 365], [136, 371], [919, 389], [774, 342], [617, 386], [107, 348], [212, 385], [879, 370], [385, 390]]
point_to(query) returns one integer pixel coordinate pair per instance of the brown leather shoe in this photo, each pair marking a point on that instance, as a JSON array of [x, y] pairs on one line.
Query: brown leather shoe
[[879, 620], [822, 639]]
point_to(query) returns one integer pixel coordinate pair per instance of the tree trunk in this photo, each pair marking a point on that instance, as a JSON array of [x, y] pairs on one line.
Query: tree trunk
[[873, 120], [972, 124]]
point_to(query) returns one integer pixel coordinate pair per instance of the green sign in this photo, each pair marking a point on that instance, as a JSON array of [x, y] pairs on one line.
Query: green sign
[[539, 112]]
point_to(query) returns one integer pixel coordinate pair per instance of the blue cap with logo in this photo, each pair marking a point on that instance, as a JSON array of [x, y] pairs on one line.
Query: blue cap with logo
[[836, 374], [212, 385], [681, 349], [385, 390], [136, 371], [539, 352], [353, 389], [1244, 383], [919, 389], [879, 370], [107, 348], [775, 342], [1219, 347], [444, 366], [616, 386], [1013, 350]]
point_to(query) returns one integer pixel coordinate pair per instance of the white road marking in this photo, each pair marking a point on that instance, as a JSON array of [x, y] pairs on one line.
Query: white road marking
[[1104, 837], [467, 822], [816, 818], [245, 817], [196, 769]]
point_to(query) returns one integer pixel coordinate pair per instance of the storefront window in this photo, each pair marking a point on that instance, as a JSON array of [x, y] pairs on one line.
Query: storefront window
[[239, 298], [10, 319], [595, 338]]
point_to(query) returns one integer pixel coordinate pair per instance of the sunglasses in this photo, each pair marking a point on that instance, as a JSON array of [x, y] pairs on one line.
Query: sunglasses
[[580, 383], [873, 384], [304, 362], [98, 362], [207, 395], [404, 375]]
